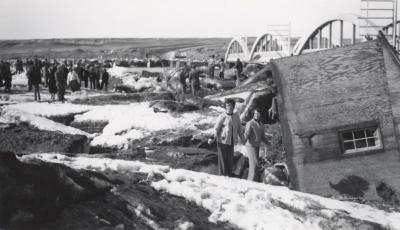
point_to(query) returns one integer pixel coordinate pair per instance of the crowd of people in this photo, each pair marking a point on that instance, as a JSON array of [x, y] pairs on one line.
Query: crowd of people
[[56, 76]]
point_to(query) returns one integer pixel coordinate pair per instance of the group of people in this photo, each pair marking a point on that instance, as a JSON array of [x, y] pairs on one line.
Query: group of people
[[193, 74], [55, 76], [228, 130]]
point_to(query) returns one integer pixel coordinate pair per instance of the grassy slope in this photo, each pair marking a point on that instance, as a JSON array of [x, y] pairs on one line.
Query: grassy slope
[[110, 47]]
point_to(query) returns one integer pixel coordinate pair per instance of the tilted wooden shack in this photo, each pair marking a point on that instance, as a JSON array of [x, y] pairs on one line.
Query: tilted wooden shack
[[340, 118]]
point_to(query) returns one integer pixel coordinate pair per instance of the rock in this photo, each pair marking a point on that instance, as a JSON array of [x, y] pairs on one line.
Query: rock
[[351, 185], [34, 192], [147, 74], [207, 160], [170, 106], [182, 141], [78, 144], [24, 138], [124, 89], [194, 101], [387, 193]]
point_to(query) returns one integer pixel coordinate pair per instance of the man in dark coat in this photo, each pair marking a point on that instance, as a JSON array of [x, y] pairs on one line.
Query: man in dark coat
[[35, 78], [29, 68], [1, 73], [61, 81], [194, 78], [52, 81], [7, 77], [239, 70], [182, 77], [19, 66], [104, 79]]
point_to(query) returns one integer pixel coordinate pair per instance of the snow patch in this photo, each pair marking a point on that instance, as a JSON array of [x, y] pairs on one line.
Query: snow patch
[[138, 120], [49, 109], [246, 204], [16, 116], [251, 205]]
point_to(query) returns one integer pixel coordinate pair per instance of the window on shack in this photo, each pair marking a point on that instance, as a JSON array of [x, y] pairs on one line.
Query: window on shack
[[361, 140]]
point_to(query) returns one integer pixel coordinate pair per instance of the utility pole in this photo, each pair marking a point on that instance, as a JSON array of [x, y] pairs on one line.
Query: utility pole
[[395, 24]]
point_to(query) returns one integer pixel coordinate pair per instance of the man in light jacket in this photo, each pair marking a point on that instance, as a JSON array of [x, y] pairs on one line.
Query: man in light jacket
[[227, 130]]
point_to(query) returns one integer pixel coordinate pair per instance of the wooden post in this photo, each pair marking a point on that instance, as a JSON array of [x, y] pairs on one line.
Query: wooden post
[[354, 34], [330, 35], [319, 38], [341, 33], [394, 23]]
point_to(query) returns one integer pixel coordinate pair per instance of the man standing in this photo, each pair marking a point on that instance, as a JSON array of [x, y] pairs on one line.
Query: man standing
[[211, 64], [194, 78], [227, 130], [45, 72], [7, 77], [183, 75], [35, 77], [222, 69], [104, 79], [239, 70], [253, 136], [61, 81]]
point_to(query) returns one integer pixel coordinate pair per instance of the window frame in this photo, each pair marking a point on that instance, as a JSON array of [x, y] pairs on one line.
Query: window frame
[[361, 150]]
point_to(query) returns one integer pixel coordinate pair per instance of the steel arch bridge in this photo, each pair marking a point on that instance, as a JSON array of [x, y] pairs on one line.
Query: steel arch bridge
[[267, 47], [237, 48], [314, 39]]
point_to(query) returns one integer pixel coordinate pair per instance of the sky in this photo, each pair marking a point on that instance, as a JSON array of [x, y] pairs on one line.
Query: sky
[[29, 19]]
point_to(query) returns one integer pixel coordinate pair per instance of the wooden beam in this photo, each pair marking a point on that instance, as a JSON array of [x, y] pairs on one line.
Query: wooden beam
[[341, 33], [330, 35]]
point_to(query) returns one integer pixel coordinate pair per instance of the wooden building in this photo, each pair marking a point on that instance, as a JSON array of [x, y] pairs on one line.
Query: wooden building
[[340, 116]]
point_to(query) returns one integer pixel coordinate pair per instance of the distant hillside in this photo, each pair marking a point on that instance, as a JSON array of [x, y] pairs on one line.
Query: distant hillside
[[109, 47], [196, 48]]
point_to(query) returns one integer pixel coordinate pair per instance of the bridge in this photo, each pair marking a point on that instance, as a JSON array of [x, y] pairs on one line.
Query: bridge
[[343, 30]]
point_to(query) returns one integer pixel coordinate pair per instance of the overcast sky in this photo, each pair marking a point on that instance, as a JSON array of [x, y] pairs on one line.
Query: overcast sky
[[25, 19]]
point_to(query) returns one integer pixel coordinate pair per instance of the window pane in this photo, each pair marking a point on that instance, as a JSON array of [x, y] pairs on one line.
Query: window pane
[[372, 142], [361, 144], [359, 134], [347, 136], [371, 132], [348, 145]]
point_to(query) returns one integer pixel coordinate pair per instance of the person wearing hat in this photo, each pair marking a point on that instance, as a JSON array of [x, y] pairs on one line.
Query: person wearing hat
[[227, 130]]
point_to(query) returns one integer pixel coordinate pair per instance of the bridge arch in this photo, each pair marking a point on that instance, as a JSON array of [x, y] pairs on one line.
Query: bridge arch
[[308, 44], [267, 47], [237, 48]]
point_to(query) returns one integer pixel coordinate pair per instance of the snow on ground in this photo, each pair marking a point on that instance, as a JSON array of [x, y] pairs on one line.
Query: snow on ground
[[49, 109], [20, 79], [100, 164], [131, 77], [246, 204], [16, 116], [137, 120], [125, 122]]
